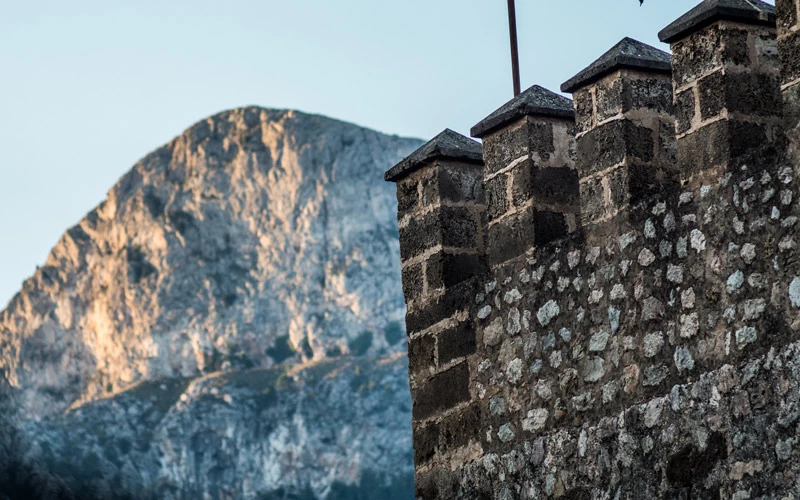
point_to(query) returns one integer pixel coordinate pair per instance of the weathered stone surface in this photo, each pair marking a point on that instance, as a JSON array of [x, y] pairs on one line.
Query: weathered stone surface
[[659, 353], [448, 145], [511, 237], [256, 238], [441, 391], [533, 101], [709, 11], [628, 53]]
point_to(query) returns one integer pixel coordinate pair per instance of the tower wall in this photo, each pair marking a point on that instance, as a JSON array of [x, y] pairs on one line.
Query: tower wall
[[652, 352]]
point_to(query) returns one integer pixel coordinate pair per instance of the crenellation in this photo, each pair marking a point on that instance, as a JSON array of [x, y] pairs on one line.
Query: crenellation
[[625, 137], [530, 179], [652, 351], [728, 97]]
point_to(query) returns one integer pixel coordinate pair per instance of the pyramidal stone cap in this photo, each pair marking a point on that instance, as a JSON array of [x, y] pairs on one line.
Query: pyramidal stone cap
[[534, 101], [448, 145], [628, 53], [710, 11]]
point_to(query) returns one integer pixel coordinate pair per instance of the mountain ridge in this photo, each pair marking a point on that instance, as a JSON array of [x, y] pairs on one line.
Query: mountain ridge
[[257, 238]]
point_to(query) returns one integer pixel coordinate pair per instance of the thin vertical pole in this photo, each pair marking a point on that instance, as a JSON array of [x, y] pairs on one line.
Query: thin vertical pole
[[512, 28]]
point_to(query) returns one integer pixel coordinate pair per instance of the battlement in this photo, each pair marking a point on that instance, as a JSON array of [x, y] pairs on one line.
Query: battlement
[[604, 299]]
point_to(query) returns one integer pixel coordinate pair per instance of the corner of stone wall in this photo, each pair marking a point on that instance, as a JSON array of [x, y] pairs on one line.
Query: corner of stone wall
[[727, 94], [788, 13], [625, 136], [598, 259], [441, 215], [530, 177]]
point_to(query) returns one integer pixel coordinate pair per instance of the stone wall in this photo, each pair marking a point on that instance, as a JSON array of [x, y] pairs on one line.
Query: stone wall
[[789, 49], [649, 347]]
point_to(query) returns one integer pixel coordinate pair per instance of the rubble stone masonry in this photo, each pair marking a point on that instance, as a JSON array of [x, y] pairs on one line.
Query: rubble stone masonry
[[606, 303]]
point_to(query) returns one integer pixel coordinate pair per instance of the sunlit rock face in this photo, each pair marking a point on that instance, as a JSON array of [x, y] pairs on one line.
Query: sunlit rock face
[[257, 238]]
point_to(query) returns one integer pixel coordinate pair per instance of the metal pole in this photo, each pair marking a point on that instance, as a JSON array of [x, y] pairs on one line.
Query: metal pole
[[512, 28]]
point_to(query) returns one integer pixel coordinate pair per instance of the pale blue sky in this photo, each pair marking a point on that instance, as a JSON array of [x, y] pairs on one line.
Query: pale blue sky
[[88, 87]]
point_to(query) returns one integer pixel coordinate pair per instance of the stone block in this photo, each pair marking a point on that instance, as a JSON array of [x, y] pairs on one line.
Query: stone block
[[429, 186], [549, 226], [413, 281], [696, 55], [407, 196], [703, 149], [441, 392], [667, 159], [460, 227], [522, 183], [446, 269], [456, 342], [454, 299], [511, 237], [684, 110], [608, 145], [601, 148], [440, 483], [593, 204], [584, 110], [746, 139], [542, 140], [555, 185], [644, 182], [711, 91], [426, 485], [619, 183], [789, 50], [502, 147], [791, 106], [426, 442], [735, 49], [639, 143], [460, 428], [497, 203], [420, 234], [609, 97], [460, 183], [765, 50], [654, 94], [756, 94], [421, 354]]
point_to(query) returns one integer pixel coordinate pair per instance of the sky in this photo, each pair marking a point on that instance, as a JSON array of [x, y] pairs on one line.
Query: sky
[[88, 87]]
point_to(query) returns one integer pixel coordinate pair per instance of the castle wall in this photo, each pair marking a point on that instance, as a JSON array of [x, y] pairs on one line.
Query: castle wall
[[652, 351], [789, 49]]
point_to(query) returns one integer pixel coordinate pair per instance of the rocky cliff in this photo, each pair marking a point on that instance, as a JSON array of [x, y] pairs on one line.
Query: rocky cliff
[[227, 323]]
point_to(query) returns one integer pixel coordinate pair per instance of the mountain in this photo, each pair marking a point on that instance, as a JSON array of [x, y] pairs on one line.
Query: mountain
[[228, 323]]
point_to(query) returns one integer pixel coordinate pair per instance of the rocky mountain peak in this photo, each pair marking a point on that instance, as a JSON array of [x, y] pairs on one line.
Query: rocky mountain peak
[[256, 237]]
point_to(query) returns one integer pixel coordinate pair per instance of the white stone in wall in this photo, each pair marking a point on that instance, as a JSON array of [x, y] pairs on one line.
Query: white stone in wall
[[548, 312], [698, 240]]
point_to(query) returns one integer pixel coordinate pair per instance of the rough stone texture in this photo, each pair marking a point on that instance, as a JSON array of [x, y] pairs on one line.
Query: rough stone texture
[[661, 360], [448, 144], [709, 11], [726, 77], [722, 302], [789, 51], [257, 237], [530, 178], [628, 53], [534, 101], [625, 136]]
